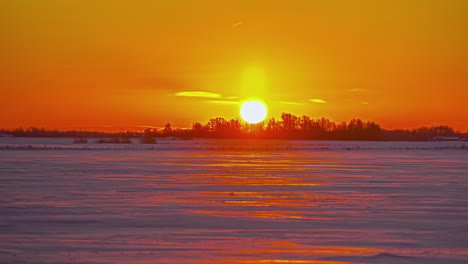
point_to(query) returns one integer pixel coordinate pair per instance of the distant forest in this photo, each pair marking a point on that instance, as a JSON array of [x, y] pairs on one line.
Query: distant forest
[[287, 127]]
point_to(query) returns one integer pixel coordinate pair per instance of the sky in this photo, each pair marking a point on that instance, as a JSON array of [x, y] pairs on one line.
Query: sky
[[113, 64]]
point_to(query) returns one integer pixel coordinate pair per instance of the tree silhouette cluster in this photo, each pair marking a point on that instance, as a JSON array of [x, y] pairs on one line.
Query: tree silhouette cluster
[[41, 132], [288, 126]]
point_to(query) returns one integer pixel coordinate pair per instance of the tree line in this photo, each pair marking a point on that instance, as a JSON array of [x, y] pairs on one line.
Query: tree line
[[288, 126], [42, 132]]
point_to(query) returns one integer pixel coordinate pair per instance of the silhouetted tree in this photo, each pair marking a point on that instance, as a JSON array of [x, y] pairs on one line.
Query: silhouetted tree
[[288, 127], [168, 129]]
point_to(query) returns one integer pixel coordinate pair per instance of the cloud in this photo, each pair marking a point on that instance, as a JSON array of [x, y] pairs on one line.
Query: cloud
[[223, 102], [199, 94], [364, 103], [357, 90], [238, 23], [318, 101]]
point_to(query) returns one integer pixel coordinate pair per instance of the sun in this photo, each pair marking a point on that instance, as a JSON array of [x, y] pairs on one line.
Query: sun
[[253, 111]]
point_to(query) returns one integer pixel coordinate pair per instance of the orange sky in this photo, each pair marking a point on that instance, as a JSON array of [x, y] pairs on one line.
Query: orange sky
[[97, 64]]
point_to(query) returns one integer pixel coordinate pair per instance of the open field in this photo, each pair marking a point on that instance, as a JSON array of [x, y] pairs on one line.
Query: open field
[[233, 201]]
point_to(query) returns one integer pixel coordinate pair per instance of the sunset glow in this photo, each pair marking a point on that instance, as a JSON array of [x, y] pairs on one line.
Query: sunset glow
[[70, 65], [234, 132], [253, 111]]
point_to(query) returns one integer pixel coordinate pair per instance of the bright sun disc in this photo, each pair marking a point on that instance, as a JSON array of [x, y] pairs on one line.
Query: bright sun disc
[[253, 111]]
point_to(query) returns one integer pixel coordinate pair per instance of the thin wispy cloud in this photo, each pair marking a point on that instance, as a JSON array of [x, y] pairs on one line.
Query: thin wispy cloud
[[238, 23], [357, 90], [318, 101], [222, 102], [365, 103], [199, 94]]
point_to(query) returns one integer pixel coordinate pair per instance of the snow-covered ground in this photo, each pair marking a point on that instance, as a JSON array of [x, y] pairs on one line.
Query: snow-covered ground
[[233, 201]]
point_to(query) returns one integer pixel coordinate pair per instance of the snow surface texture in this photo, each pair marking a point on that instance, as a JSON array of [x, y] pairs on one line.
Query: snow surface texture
[[233, 201]]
